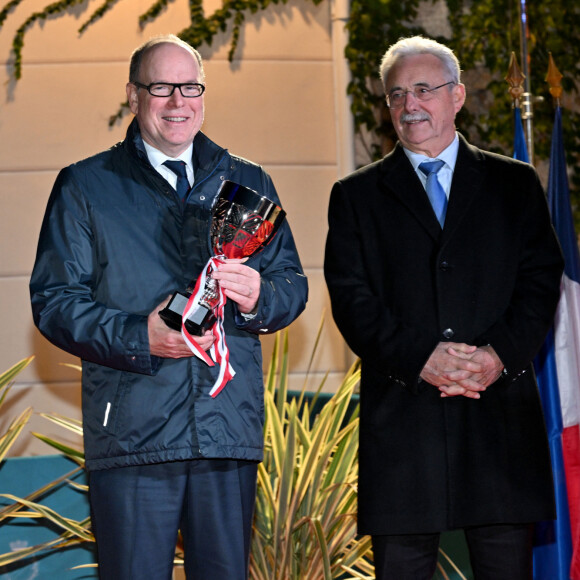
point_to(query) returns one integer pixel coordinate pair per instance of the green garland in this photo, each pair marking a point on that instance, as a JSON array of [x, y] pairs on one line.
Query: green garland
[[98, 14], [7, 9], [18, 41]]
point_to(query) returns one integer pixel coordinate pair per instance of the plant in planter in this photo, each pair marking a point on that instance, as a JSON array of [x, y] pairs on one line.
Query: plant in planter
[[305, 522], [305, 518], [74, 532]]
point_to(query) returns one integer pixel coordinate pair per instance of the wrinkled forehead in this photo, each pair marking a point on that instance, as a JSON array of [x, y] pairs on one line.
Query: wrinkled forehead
[[415, 70]]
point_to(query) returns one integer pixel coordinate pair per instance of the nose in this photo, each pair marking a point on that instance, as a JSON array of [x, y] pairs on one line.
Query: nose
[[411, 104], [176, 99]]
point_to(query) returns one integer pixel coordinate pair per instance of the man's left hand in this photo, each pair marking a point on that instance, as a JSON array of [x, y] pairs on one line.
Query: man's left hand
[[240, 283], [491, 369]]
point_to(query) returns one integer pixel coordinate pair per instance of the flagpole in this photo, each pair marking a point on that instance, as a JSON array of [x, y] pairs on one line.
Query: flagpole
[[526, 100]]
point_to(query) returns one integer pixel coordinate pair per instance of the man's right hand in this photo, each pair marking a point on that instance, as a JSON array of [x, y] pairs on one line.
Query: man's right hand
[[167, 343], [449, 364]]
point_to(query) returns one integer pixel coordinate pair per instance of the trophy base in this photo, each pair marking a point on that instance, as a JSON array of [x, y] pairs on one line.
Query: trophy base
[[200, 321]]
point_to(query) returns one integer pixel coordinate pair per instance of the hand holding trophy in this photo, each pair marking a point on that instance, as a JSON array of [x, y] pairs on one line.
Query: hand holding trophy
[[243, 222]]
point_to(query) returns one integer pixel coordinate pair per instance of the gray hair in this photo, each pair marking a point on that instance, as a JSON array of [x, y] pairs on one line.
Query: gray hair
[[140, 52], [420, 45]]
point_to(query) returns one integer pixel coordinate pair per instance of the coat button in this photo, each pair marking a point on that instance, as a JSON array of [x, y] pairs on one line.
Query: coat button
[[444, 266], [448, 333]]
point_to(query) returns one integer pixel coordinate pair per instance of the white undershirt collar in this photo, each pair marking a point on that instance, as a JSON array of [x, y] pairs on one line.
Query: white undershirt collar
[[157, 158], [445, 175]]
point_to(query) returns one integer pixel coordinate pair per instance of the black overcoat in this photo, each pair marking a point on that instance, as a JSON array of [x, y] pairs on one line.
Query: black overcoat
[[398, 286]]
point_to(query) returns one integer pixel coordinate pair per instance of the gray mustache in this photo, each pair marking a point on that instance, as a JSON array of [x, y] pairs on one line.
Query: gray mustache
[[412, 117]]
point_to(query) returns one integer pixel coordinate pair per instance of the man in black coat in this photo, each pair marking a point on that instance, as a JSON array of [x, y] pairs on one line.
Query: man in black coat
[[446, 303]]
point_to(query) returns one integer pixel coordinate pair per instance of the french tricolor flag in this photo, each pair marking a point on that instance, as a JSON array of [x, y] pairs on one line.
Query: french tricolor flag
[[557, 550]]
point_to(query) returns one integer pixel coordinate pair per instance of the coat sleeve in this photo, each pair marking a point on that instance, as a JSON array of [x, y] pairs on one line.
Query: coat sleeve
[[518, 333], [64, 276], [284, 287], [374, 331]]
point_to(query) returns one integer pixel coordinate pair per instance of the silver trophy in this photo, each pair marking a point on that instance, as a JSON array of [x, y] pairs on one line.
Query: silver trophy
[[242, 223]]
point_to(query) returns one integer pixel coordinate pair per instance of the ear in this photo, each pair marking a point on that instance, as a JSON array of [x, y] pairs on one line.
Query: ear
[[458, 96], [132, 97]]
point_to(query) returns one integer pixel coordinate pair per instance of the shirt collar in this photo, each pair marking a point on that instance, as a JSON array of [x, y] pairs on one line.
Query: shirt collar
[[157, 158], [449, 155]]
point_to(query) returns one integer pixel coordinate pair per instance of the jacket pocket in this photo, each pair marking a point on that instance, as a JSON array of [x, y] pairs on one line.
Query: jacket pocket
[[113, 407]]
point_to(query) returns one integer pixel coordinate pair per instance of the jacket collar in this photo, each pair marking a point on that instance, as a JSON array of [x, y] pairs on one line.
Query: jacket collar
[[205, 157]]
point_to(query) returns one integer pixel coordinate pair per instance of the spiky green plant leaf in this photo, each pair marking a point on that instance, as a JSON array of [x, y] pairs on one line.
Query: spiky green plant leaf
[[9, 375], [8, 438], [73, 527], [71, 452], [15, 428]]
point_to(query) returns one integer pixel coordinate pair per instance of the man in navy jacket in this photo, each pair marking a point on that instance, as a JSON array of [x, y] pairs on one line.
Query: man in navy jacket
[[116, 242]]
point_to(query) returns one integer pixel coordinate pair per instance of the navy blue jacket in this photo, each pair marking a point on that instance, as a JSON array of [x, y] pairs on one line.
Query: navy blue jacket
[[115, 242]]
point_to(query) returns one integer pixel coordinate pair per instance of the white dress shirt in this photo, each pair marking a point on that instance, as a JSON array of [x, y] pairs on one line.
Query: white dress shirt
[[157, 158], [445, 174]]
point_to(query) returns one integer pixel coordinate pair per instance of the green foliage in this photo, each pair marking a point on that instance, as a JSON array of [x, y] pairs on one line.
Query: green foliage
[[73, 532], [372, 27], [484, 35], [7, 9], [55, 8], [98, 14], [305, 521], [305, 516]]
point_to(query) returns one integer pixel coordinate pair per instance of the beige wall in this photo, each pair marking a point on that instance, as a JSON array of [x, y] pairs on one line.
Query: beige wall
[[276, 104]]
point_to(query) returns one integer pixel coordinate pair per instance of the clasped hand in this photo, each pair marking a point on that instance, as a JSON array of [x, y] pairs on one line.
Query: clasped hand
[[459, 369]]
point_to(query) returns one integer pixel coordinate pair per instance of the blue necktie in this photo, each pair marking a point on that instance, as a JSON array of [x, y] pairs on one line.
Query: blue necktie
[[435, 192], [178, 167]]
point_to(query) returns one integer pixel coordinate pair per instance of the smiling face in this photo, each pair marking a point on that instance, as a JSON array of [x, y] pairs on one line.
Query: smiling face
[[167, 123], [426, 127]]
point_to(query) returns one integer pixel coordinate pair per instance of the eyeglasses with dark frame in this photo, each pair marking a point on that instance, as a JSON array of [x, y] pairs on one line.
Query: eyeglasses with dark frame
[[396, 99], [187, 90]]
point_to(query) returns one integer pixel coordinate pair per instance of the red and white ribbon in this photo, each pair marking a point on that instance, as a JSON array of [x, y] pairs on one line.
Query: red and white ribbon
[[219, 349]]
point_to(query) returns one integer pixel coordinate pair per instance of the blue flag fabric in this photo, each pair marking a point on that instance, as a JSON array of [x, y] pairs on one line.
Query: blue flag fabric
[[559, 200], [552, 539]]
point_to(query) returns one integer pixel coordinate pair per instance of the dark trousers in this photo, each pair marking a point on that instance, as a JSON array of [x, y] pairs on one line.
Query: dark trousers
[[500, 552], [137, 510]]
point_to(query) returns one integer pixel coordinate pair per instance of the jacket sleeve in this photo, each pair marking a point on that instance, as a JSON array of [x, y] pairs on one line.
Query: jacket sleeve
[[62, 285], [284, 287], [518, 333]]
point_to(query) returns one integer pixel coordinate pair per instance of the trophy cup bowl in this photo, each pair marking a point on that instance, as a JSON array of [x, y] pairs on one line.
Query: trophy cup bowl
[[243, 222]]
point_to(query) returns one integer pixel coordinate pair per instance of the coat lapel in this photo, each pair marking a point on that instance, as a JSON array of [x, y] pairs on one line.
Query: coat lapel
[[399, 180], [467, 185]]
